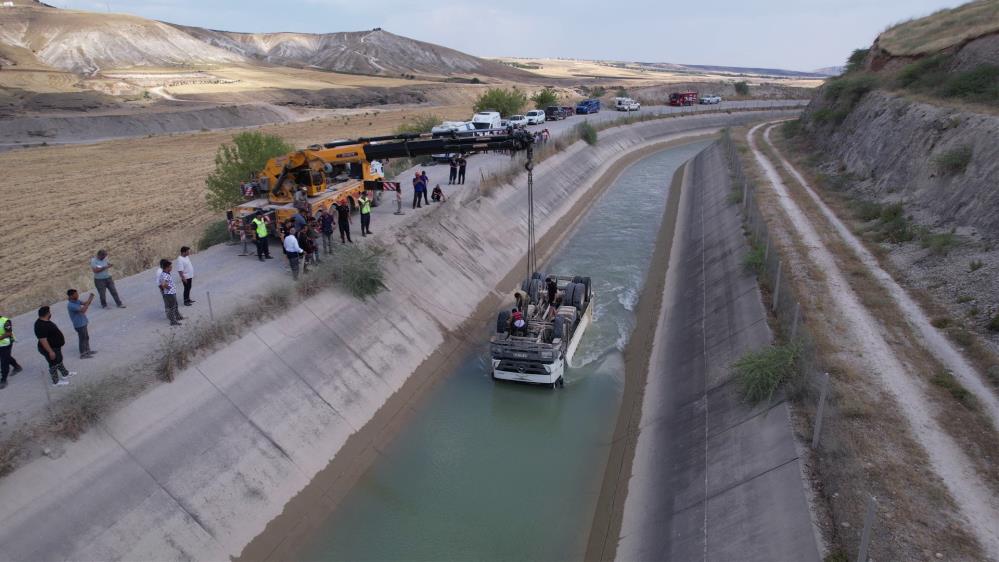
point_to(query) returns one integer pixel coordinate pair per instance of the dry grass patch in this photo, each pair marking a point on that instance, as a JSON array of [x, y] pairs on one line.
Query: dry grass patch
[[941, 29]]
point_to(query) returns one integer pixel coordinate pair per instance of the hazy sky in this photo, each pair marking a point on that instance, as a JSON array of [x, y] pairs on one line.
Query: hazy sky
[[790, 34]]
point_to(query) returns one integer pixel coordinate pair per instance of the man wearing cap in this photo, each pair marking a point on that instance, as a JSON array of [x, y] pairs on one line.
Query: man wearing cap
[[6, 348], [102, 278]]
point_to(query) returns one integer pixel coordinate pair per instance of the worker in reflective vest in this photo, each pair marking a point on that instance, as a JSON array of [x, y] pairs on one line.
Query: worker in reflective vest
[[365, 204], [260, 230], [6, 348]]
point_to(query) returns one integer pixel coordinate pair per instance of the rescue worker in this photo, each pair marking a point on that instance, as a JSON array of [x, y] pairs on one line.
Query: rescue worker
[[365, 204], [260, 236], [6, 349], [343, 221], [552, 286], [518, 322]]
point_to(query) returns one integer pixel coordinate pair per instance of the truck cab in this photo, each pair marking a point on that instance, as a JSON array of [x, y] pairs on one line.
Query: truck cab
[[486, 120]]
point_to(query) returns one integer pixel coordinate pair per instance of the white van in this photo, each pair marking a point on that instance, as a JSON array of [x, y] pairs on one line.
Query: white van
[[486, 120], [535, 117], [453, 127]]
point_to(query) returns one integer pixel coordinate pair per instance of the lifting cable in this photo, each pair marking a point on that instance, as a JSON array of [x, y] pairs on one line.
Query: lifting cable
[[532, 258]]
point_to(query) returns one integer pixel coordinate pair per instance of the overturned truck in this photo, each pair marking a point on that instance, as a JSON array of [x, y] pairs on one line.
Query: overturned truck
[[535, 340]]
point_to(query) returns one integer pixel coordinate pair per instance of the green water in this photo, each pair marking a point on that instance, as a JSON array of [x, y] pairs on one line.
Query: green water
[[501, 471]]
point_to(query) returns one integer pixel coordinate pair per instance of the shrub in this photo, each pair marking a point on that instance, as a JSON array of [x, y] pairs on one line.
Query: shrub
[[867, 210], [993, 324], [939, 243], [587, 132], [979, 84], [993, 375], [964, 299], [760, 373], [846, 91], [419, 124], [893, 226], [742, 88], [792, 128], [247, 155], [216, 232], [621, 92], [507, 102], [954, 161], [360, 270], [545, 97], [856, 60], [755, 260], [924, 73], [940, 322], [946, 381], [975, 265]]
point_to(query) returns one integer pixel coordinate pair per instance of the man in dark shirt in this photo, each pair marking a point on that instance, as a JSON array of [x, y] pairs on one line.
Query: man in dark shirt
[[326, 223], [461, 169], [50, 342], [419, 187], [453, 175], [343, 219]]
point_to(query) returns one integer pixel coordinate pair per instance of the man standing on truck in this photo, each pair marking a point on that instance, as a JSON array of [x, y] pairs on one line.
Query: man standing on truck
[[365, 204], [102, 278], [260, 237], [461, 169], [6, 349]]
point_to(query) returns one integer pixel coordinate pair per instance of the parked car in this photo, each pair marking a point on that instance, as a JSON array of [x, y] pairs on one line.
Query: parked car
[[535, 117], [554, 113], [626, 104], [586, 107], [486, 120], [517, 121], [709, 99], [569, 110], [448, 127]]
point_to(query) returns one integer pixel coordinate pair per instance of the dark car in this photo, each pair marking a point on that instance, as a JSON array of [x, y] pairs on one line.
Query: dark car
[[569, 110], [554, 113], [588, 106]]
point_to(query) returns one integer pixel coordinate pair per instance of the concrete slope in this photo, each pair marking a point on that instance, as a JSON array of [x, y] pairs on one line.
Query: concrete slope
[[196, 468], [713, 478]]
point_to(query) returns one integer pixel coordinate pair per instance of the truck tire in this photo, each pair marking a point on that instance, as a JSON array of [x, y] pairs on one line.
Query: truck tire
[[579, 296], [503, 322], [587, 282], [568, 294]]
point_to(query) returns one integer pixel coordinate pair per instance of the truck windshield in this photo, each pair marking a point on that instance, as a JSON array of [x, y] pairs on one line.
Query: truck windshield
[[480, 125]]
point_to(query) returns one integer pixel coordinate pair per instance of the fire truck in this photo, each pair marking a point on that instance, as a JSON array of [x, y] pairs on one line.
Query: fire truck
[[683, 98]]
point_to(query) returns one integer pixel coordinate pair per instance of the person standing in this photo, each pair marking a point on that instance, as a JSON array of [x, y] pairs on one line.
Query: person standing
[[304, 244], [343, 221], [452, 177], [169, 292], [6, 351], [365, 204], [260, 236], [293, 251], [418, 185], [78, 315], [426, 186], [461, 169], [50, 342], [186, 270], [398, 200], [326, 223], [102, 278]]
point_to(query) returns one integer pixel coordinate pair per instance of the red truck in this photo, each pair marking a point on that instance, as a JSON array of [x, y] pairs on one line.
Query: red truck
[[683, 98]]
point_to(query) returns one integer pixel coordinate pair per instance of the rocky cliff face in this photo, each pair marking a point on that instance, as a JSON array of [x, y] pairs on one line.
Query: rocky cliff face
[[894, 148]]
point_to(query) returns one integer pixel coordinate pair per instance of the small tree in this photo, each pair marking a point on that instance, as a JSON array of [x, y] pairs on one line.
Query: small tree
[[742, 88], [622, 92], [234, 163], [597, 91], [419, 124], [507, 102], [856, 60], [545, 97]]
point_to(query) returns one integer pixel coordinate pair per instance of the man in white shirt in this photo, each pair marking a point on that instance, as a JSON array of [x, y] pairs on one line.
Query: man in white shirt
[[186, 270], [292, 250]]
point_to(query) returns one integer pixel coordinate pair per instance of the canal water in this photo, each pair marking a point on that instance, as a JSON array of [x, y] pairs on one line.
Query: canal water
[[501, 471]]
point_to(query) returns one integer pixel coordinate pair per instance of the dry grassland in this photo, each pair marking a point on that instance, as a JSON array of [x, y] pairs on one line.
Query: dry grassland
[[141, 198], [941, 30]]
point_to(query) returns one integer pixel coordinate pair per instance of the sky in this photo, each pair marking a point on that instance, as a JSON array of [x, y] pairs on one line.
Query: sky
[[789, 34]]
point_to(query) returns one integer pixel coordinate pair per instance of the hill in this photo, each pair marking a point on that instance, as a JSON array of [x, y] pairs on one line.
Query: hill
[[39, 37]]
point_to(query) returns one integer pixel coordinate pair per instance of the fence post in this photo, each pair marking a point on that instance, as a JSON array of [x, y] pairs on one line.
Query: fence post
[[211, 311], [817, 429], [773, 306], [794, 322], [865, 537]]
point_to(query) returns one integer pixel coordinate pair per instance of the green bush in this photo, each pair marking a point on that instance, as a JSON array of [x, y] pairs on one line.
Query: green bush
[[954, 161], [587, 132], [246, 156], [975, 265], [993, 325], [419, 124], [939, 243], [893, 226], [846, 91], [545, 97], [597, 91], [507, 102], [979, 84], [755, 260], [360, 270], [742, 88], [216, 232], [760, 373], [856, 60], [924, 73], [792, 128], [621, 92], [867, 210]]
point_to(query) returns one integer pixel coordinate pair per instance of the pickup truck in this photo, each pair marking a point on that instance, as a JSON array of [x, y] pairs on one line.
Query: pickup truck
[[554, 113], [710, 99]]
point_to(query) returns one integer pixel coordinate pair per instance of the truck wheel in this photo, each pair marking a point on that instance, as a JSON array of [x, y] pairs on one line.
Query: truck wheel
[[579, 297], [503, 322], [586, 283], [569, 294]]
